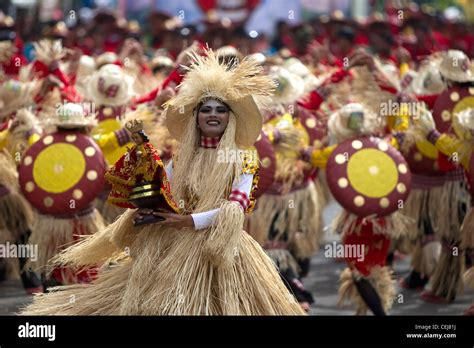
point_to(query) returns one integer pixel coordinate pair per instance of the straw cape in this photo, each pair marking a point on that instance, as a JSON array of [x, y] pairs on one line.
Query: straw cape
[[157, 270]]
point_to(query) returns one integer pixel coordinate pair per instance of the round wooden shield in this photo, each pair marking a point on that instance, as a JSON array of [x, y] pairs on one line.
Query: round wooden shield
[[317, 132], [267, 163], [367, 176], [62, 173], [422, 159], [110, 112], [315, 127], [450, 102]]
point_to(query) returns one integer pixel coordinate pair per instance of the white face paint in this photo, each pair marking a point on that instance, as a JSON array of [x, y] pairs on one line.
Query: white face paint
[[213, 117]]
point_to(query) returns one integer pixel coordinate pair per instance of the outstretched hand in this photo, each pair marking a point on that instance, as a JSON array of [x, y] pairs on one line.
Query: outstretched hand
[[170, 219], [173, 220]]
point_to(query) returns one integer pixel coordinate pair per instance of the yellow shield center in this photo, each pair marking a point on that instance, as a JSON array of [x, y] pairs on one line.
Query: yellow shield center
[[58, 168], [372, 173]]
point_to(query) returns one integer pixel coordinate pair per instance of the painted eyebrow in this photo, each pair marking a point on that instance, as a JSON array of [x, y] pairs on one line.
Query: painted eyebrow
[[219, 107]]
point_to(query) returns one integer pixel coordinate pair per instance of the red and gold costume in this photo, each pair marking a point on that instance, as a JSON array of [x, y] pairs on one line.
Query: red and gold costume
[[140, 164]]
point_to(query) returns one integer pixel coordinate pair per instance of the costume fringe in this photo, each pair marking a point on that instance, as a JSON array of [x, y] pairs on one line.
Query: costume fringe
[[447, 277], [469, 278], [10, 264], [299, 215], [283, 259], [289, 172], [108, 243], [168, 273], [430, 256], [417, 257], [413, 209], [467, 230], [395, 224], [380, 278], [52, 235], [367, 91], [142, 83], [322, 190], [423, 204], [9, 173], [221, 246], [16, 214], [109, 212]]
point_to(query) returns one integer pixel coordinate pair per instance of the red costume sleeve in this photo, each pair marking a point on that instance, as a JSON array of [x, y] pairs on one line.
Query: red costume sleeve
[[174, 78], [312, 102], [428, 99]]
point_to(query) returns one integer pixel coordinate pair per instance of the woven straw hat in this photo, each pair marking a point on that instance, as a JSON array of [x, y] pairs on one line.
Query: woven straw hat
[[456, 66], [110, 86], [289, 86], [428, 79], [71, 115]]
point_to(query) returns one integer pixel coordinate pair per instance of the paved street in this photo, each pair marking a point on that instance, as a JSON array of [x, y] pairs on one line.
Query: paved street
[[322, 281]]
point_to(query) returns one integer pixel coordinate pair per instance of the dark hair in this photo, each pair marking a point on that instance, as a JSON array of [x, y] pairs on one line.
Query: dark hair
[[144, 136], [347, 33]]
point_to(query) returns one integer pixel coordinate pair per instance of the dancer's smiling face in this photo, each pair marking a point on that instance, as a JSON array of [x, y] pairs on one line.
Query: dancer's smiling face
[[213, 117]]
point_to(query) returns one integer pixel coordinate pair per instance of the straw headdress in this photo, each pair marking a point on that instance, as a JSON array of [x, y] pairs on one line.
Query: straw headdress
[[15, 95], [428, 78], [241, 86], [48, 51]]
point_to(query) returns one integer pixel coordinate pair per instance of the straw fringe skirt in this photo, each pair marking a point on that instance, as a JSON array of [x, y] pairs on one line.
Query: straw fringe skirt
[[380, 278], [298, 214], [52, 235], [170, 272], [447, 277]]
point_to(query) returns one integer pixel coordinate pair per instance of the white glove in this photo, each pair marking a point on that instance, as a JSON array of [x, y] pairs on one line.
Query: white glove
[[424, 121]]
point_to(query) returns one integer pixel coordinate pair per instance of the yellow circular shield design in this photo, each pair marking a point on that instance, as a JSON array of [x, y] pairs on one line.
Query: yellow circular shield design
[[427, 149], [372, 173], [58, 168], [464, 103]]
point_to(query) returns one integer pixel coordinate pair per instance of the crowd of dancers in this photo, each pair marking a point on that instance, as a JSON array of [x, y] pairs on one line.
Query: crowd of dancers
[[245, 148]]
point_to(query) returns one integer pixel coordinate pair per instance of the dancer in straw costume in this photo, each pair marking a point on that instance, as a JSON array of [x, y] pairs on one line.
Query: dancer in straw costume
[[367, 282], [199, 262], [458, 71], [462, 146], [60, 175], [16, 215]]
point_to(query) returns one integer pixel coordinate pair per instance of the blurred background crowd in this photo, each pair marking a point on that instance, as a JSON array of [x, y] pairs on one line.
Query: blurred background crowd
[[98, 26]]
